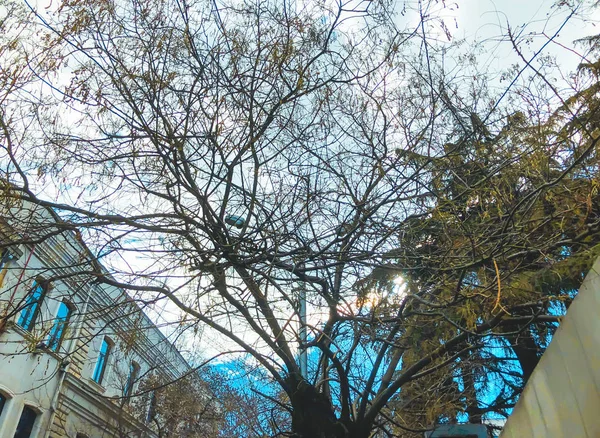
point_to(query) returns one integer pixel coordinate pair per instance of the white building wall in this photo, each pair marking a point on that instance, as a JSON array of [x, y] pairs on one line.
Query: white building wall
[[33, 376], [562, 396]]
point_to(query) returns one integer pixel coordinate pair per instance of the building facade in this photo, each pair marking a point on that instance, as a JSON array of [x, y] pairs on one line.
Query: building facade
[[73, 350], [562, 396]]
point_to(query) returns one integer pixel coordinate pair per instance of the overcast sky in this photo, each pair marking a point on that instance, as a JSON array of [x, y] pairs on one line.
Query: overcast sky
[[487, 21]]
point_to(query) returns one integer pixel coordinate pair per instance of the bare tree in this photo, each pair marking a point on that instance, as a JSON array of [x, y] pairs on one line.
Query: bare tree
[[188, 407]]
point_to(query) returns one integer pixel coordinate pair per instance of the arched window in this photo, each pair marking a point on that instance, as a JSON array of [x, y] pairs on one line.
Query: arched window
[[3, 399], [134, 370], [102, 361], [5, 259], [32, 306], [152, 407], [26, 422], [59, 326]]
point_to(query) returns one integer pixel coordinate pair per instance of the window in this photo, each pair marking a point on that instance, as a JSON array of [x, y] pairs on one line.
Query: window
[[134, 370], [4, 261], [60, 324], [26, 422], [2, 402], [32, 307], [5, 258], [152, 408], [102, 361]]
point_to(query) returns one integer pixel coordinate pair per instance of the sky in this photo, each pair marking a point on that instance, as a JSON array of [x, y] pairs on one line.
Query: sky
[[485, 22]]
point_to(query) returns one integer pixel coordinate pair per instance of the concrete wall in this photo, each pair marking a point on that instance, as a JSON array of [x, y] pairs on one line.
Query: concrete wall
[[562, 397], [18, 385]]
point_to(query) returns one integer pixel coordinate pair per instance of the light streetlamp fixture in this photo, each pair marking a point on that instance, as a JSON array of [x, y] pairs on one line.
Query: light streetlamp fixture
[[236, 221]]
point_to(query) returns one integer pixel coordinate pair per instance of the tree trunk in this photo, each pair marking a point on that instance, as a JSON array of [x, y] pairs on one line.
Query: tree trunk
[[313, 415], [526, 350]]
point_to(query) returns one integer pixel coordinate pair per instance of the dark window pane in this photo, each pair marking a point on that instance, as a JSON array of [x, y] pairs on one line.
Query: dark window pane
[[151, 408], [5, 258], [131, 378], [4, 261], [59, 326], [2, 402], [98, 374], [26, 423], [31, 310]]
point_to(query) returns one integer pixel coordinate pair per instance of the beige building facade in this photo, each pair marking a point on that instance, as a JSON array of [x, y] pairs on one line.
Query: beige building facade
[[562, 397], [73, 351]]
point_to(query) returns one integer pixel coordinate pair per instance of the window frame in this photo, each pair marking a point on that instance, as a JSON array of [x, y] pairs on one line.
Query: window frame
[[132, 376], [151, 414], [59, 327], [31, 428], [31, 311], [6, 257], [3, 401], [98, 374]]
